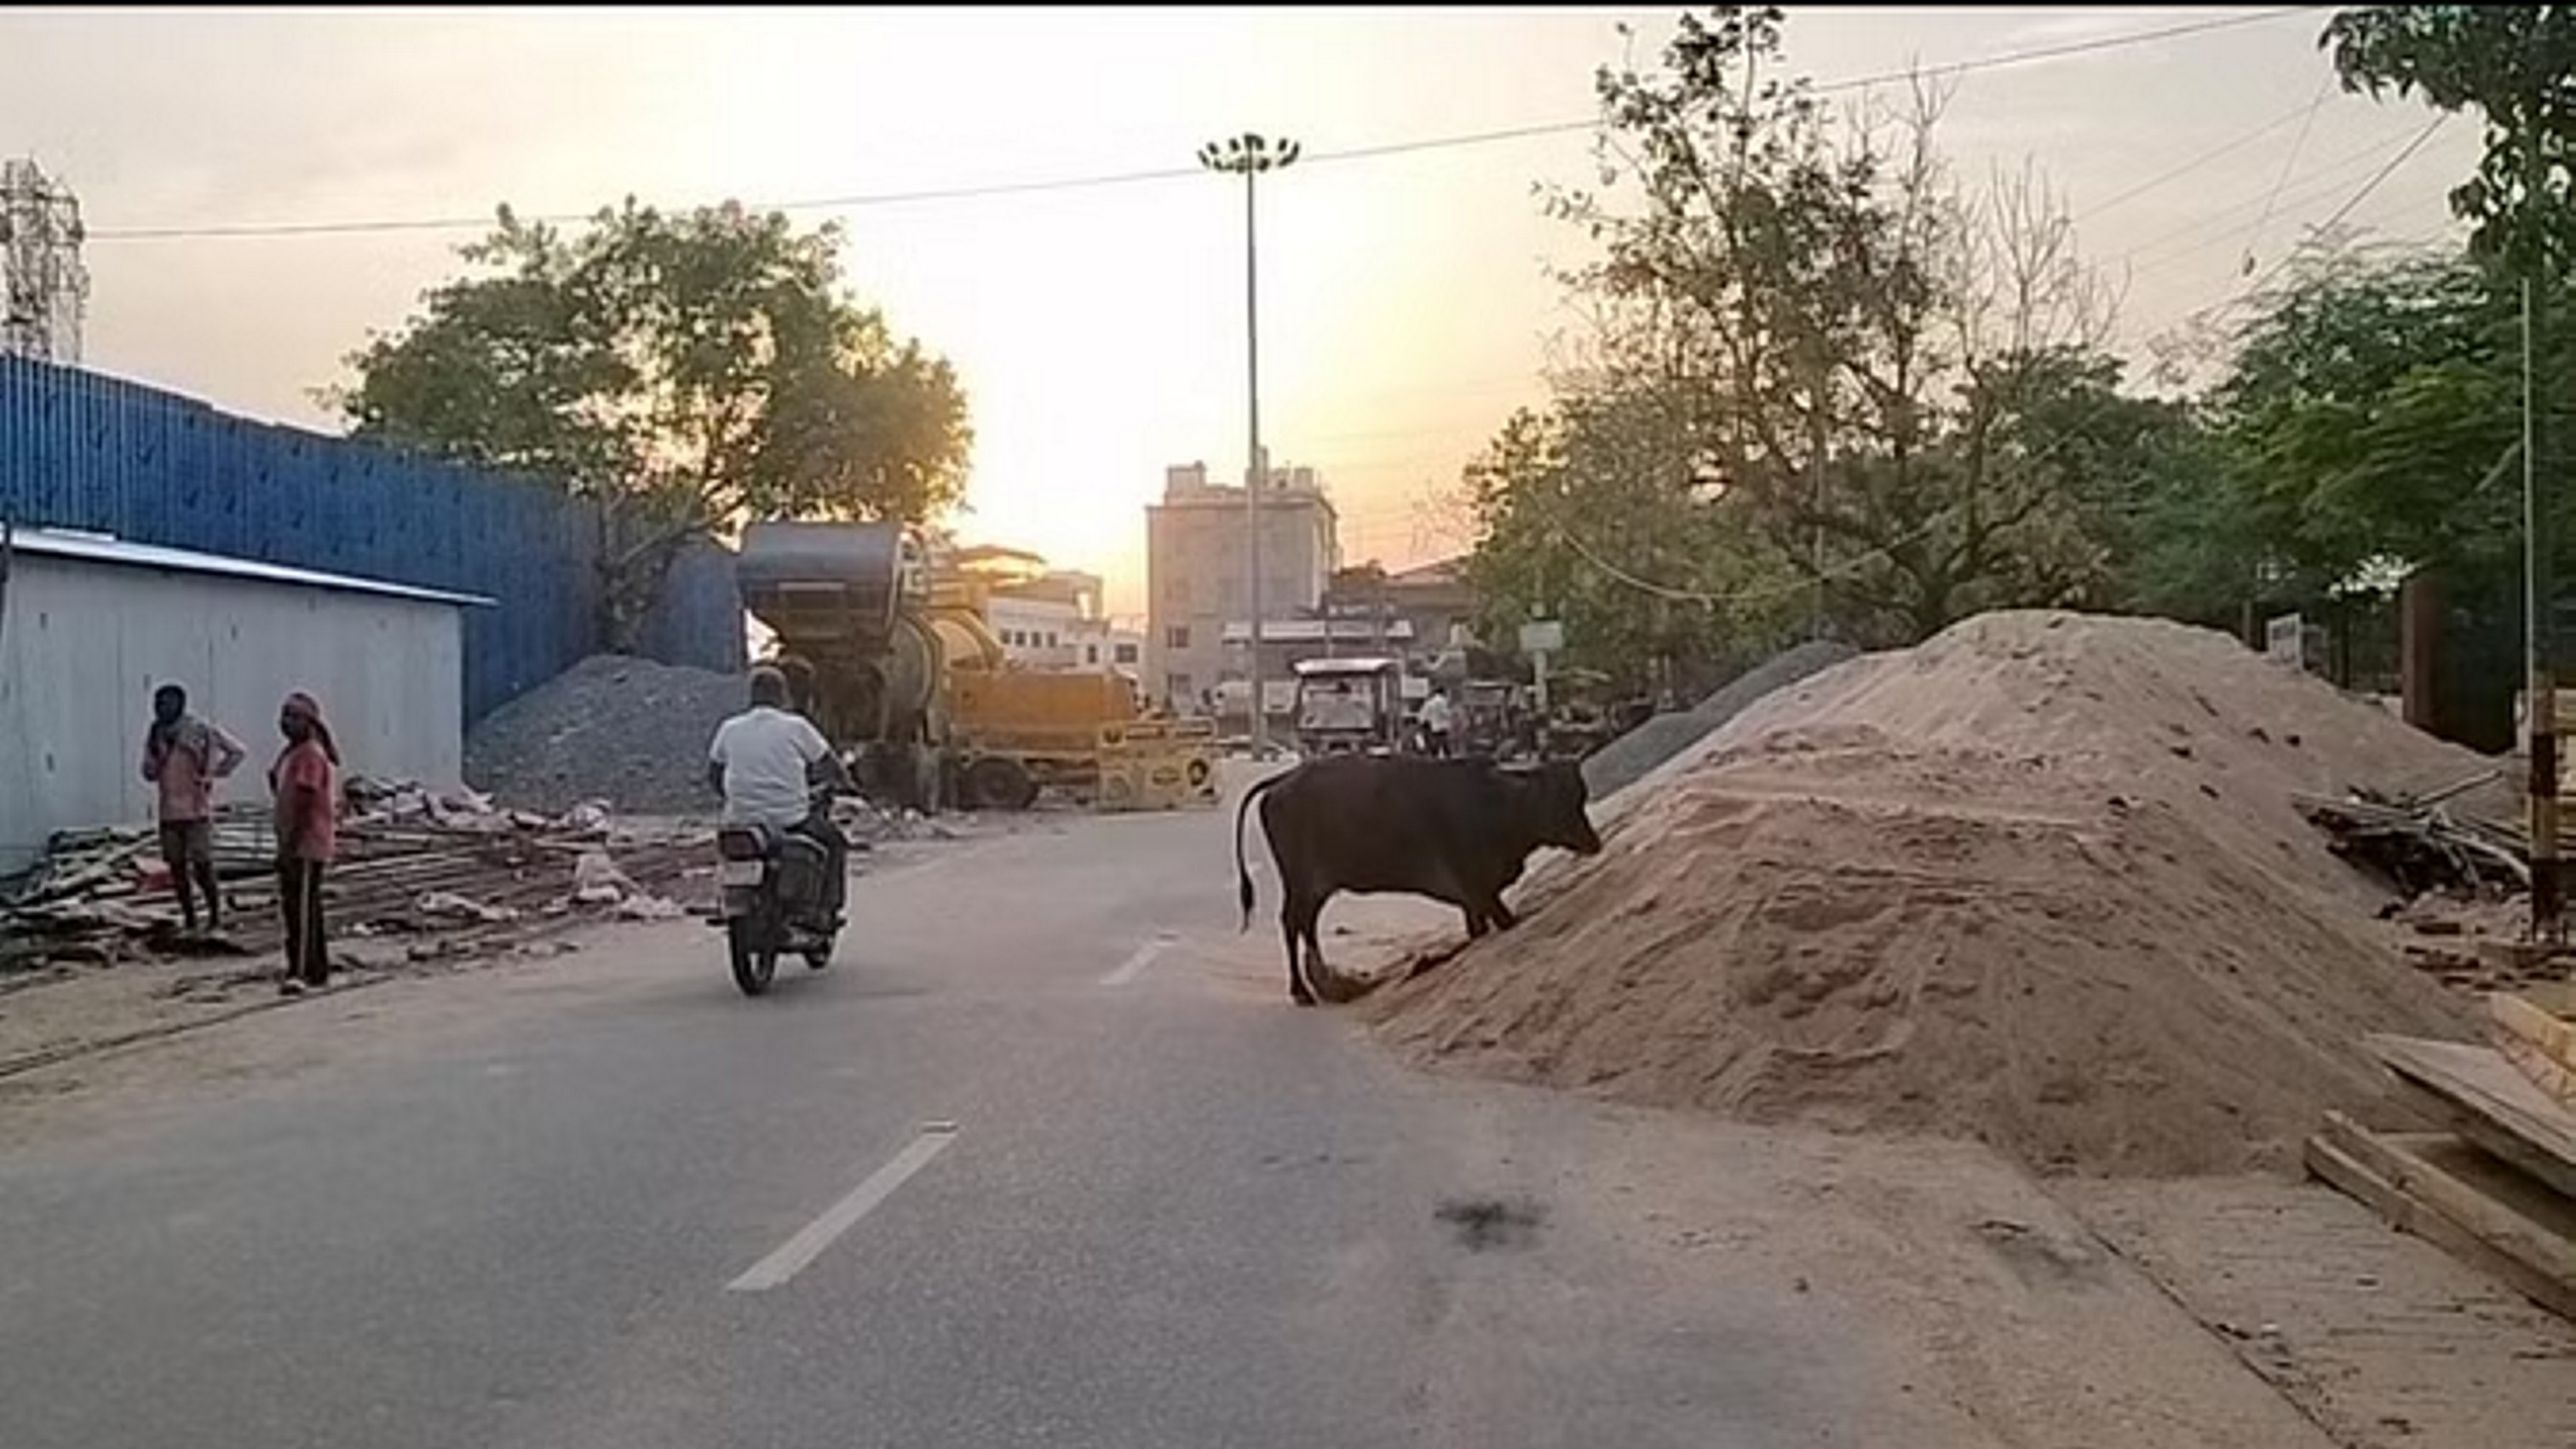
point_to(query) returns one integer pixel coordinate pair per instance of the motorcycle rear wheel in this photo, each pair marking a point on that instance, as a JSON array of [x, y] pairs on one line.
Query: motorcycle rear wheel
[[753, 967]]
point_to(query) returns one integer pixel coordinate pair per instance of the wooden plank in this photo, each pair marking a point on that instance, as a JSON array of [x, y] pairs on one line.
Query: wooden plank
[[2535, 1029], [2544, 1071], [2416, 1218], [2431, 1187], [2494, 1104], [2480, 1193]]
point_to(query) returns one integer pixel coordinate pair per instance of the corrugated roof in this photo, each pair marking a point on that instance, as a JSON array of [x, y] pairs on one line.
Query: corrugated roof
[[108, 549]]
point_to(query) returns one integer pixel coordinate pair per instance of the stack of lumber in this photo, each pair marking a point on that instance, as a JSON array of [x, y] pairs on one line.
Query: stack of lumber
[[2498, 1186]]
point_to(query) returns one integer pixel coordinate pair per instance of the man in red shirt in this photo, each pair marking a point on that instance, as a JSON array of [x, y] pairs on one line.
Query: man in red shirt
[[185, 756], [307, 794]]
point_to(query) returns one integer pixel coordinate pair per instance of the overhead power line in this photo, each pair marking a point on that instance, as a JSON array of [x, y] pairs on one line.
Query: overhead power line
[[2350, 202], [2070, 49], [2223, 226], [2209, 157], [862, 200], [2325, 87]]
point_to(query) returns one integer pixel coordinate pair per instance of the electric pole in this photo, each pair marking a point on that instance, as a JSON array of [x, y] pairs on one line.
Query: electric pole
[[2539, 594], [1249, 155]]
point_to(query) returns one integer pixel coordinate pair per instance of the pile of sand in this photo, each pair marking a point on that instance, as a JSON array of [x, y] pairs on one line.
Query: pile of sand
[[2038, 881], [1638, 753]]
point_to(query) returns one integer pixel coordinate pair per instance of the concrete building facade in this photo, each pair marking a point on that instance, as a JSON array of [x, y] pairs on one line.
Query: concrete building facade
[[1107, 646], [1195, 555], [1431, 602], [1037, 633], [90, 625]]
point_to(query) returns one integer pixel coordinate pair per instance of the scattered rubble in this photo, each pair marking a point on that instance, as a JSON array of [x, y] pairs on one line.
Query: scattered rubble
[[628, 734], [412, 862], [2047, 880], [2418, 845], [452, 869]]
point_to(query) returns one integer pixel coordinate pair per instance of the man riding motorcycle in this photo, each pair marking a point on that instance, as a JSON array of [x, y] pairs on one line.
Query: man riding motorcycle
[[764, 762]]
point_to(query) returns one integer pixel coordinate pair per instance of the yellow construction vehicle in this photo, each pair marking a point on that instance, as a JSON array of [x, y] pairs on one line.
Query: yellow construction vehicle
[[908, 672]]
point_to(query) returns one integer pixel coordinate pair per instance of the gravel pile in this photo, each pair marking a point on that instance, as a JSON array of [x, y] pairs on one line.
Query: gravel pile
[[1634, 755], [628, 731]]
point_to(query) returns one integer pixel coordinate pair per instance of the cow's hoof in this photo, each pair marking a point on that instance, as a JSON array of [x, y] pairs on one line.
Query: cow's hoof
[[1301, 998]]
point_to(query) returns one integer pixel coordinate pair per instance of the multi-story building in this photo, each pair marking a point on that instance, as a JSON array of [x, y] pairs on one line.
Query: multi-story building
[[1195, 558], [1420, 612], [1036, 633], [1107, 646]]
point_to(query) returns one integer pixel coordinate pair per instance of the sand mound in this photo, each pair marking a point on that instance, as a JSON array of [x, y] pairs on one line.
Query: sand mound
[[1638, 753], [2038, 881]]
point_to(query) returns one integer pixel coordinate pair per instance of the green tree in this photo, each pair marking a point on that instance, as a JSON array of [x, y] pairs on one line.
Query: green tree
[[2516, 66], [1594, 512], [2370, 407], [1885, 366], [687, 371]]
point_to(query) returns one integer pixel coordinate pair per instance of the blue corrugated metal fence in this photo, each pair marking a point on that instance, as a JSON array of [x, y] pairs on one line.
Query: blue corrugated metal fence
[[79, 450]]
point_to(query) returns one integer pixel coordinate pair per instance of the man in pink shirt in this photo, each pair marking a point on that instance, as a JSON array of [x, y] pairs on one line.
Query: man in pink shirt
[[185, 756]]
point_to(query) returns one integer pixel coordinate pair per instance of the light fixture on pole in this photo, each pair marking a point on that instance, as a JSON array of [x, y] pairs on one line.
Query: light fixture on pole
[[1249, 155]]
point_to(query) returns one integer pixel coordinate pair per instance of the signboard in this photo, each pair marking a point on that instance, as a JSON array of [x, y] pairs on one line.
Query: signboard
[[2294, 641], [1543, 636], [2284, 640]]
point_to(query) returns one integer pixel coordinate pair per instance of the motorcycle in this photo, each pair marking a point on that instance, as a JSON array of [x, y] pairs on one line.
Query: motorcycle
[[774, 898]]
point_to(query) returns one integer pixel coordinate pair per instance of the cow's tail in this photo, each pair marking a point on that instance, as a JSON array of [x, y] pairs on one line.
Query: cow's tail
[[1243, 877]]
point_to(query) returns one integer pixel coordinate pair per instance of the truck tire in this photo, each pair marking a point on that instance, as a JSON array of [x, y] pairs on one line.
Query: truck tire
[[997, 782]]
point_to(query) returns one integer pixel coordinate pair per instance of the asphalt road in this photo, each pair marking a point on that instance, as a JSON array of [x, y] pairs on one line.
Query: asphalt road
[[1155, 1205]]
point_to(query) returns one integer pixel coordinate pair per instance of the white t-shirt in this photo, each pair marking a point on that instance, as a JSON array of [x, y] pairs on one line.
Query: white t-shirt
[[1435, 714], [765, 752]]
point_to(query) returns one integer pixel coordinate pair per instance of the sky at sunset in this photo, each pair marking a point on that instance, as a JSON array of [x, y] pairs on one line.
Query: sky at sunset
[[1098, 328]]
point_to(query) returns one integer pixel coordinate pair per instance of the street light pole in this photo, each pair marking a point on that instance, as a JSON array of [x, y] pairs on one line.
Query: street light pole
[[1250, 155]]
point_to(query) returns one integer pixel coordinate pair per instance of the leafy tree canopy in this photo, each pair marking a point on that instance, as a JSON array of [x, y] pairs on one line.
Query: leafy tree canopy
[[687, 370]]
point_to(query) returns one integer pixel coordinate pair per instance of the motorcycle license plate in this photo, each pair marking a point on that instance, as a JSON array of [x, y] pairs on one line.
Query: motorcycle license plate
[[738, 872]]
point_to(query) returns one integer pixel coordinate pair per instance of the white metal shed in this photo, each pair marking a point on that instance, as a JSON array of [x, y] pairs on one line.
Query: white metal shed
[[90, 625]]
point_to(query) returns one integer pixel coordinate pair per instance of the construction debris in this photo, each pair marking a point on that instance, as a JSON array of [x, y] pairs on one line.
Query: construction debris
[[412, 862], [2419, 846], [2536, 1031], [2498, 1189], [2044, 880]]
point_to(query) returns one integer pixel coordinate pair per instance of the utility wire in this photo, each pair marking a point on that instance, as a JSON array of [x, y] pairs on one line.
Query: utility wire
[[2217, 153], [862, 200], [2256, 287], [2325, 87], [2068, 50], [2319, 181]]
